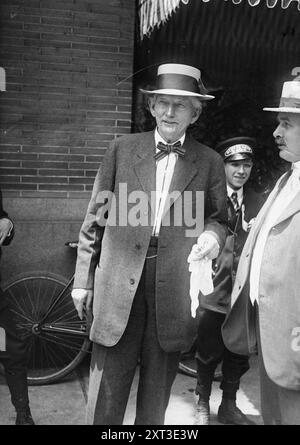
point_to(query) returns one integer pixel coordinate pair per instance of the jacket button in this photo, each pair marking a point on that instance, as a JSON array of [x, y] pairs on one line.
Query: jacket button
[[138, 246], [132, 280]]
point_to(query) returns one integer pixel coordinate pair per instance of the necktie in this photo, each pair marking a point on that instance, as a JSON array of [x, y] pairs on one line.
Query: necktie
[[234, 201], [165, 149]]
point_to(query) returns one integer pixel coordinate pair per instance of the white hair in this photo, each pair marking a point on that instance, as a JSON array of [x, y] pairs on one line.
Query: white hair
[[194, 100]]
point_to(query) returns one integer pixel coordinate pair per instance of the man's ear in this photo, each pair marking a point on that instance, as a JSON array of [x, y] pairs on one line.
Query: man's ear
[[197, 112], [151, 104]]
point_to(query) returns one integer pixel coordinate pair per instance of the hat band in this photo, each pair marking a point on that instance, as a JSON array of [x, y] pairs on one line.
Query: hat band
[[177, 82], [238, 149], [289, 102]]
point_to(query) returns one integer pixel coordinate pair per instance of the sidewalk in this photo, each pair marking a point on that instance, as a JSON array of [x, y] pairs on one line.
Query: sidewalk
[[64, 403]]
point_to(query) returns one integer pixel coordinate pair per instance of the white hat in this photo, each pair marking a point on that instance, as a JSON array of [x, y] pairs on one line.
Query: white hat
[[290, 98], [179, 80]]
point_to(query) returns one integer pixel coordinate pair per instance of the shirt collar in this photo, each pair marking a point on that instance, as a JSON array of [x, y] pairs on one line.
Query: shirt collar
[[158, 138], [296, 165], [239, 192]]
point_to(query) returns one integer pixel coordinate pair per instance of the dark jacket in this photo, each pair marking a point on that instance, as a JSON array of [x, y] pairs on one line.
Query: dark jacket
[[225, 266], [3, 214]]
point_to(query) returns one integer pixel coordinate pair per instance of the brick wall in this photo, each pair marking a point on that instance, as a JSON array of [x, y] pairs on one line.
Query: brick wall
[[64, 61]]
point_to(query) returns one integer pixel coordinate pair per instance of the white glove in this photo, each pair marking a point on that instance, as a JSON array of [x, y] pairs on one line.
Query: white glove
[[207, 247], [82, 299], [200, 259]]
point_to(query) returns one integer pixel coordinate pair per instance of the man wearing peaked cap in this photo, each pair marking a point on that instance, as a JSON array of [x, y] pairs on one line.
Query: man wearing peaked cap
[[137, 275], [265, 310], [243, 204]]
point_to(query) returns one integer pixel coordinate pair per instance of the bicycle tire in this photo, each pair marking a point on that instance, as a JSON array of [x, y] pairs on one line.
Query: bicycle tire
[[51, 356]]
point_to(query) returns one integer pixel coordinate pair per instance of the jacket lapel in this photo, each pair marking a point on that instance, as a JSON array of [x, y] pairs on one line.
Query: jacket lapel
[[144, 164], [266, 207], [184, 172], [290, 210]]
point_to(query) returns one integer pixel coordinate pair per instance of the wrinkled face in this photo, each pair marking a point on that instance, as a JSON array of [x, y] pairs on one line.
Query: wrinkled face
[[173, 115], [287, 136], [238, 172]]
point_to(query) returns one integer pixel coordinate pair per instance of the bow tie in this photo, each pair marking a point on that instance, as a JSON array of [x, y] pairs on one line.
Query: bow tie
[[165, 149]]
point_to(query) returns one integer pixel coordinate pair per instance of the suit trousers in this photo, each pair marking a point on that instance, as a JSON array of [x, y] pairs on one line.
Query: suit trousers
[[113, 368], [14, 359], [279, 406], [210, 351]]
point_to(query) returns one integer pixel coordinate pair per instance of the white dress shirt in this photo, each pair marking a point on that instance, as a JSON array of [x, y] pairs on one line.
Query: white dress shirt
[[164, 173], [282, 200], [239, 192]]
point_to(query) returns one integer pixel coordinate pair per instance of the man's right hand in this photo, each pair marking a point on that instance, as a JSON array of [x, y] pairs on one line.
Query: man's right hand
[[83, 299]]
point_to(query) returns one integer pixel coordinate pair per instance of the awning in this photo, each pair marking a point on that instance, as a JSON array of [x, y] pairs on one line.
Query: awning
[[155, 12]]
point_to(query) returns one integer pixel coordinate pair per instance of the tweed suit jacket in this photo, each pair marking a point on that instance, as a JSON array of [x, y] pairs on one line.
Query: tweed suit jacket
[[111, 258], [279, 298]]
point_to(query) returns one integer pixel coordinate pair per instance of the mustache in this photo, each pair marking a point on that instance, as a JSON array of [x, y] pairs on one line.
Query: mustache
[[279, 141]]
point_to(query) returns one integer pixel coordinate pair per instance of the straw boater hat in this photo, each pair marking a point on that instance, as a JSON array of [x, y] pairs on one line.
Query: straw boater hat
[[290, 98], [179, 80], [236, 149]]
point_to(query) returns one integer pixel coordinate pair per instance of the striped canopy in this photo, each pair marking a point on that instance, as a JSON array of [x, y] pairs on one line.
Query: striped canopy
[[155, 12]]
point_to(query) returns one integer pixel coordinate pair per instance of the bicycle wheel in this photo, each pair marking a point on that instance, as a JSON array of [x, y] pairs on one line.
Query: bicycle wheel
[[56, 337]]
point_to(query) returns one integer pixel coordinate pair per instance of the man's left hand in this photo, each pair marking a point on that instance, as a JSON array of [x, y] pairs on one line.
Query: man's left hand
[[206, 247], [5, 229]]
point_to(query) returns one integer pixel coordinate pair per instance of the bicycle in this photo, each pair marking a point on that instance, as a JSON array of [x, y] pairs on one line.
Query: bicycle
[[47, 319]]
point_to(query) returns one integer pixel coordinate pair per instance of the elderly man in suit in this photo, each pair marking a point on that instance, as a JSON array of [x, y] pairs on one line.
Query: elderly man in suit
[[265, 310], [243, 205], [12, 347], [136, 272]]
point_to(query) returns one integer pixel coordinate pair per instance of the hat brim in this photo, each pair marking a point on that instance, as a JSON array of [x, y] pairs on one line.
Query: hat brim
[[173, 92], [284, 110], [239, 157]]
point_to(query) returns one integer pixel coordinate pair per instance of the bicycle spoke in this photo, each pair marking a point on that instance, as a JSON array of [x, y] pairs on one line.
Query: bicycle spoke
[[71, 311], [65, 342]]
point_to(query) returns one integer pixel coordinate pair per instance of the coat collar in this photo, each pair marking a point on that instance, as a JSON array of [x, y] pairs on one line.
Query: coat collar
[[293, 207], [144, 162], [184, 172]]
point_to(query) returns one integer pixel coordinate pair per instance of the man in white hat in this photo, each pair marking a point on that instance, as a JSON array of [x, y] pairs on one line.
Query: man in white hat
[[136, 272], [265, 312], [243, 204]]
